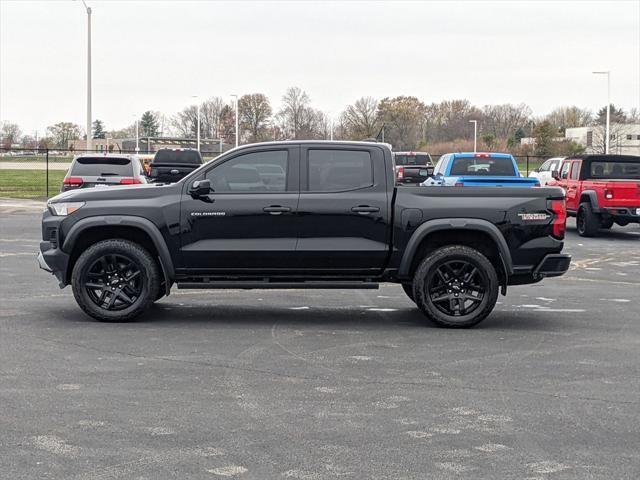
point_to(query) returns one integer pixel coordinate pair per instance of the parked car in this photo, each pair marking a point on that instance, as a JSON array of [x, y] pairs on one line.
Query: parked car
[[544, 173], [103, 170], [601, 190], [478, 170], [170, 165], [333, 218], [412, 167]]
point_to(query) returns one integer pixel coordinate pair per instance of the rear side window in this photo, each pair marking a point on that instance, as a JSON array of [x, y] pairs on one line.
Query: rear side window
[[339, 170], [501, 167], [102, 167], [177, 156], [616, 170]]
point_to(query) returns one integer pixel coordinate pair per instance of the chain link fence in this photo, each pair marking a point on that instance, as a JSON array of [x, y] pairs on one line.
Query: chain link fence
[[38, 173]]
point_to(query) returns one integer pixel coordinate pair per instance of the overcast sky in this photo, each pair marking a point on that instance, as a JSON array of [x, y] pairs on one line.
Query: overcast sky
[[157, 54]]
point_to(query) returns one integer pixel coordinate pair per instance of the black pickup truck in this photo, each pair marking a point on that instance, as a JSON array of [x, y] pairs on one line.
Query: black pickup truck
[[303, 214], [170, 165]]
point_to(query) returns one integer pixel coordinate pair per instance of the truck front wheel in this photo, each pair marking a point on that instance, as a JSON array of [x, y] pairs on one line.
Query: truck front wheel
[[115, 280], [456, 286]]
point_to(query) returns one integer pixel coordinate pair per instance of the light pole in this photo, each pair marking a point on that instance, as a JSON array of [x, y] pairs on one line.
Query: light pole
[[475, 135], [89, 145], [237, 132], [606, 139], [197, 122], [137, 137]]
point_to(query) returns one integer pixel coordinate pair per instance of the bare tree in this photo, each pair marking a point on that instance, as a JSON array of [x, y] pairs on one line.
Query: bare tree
[[63, 132], [402, 117], [296, 114], [562, 118], [10, 133], [185, 121], [502, 121], [210, 117], [360, 120], [254, 112]]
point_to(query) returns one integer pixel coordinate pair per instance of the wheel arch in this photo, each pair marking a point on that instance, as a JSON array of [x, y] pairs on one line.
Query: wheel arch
[[137, 229], [592, 197], [439, 232]]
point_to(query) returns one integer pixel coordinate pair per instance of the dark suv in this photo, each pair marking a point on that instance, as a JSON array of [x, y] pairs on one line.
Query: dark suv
[[171, 165], [107, 170]]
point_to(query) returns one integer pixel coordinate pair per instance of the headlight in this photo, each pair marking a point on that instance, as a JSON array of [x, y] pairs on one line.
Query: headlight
[[64, 208]]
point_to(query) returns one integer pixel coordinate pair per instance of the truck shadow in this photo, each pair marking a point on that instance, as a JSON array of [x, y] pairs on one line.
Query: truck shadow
[[170, 313]]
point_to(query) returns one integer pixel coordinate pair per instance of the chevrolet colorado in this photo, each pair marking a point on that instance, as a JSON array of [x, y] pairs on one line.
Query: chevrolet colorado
[[302, 214]]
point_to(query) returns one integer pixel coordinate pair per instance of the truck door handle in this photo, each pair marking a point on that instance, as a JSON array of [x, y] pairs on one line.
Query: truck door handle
[[276, 209], [365, 209]]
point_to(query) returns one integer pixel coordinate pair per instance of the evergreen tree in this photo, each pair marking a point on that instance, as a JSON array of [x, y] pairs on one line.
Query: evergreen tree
[[98, 129], [148, 124]]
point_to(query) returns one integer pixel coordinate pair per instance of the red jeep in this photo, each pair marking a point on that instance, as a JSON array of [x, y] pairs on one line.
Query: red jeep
[[601, 190]]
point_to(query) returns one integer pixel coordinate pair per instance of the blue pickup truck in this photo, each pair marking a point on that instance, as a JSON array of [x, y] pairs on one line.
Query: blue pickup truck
[[478, 170]]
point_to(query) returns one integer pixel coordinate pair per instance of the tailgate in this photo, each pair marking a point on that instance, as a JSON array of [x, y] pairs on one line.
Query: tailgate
[[625, 193]]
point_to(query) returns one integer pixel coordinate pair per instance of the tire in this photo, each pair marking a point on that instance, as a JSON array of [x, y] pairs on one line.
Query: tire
[[456, 286], [115, 280], [408, 289], [587, 222]]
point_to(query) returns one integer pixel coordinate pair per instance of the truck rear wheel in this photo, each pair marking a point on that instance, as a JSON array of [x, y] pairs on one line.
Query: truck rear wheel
[[456, 286], [587, 222], [115, 280]]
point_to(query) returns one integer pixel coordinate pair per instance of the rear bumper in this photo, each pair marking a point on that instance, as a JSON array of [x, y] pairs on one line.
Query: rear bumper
[[552, 265], [629, 214], [55, 261]]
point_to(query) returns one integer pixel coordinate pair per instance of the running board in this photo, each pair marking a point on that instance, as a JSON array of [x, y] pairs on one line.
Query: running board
[[247, 285]]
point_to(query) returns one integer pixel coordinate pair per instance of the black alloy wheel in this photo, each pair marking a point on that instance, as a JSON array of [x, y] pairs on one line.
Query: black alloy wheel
[[456, 287], [113, 282]]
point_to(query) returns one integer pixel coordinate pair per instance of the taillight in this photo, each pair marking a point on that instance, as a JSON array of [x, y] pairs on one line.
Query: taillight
[[129, 181], [482, 155], [73, 181], [608, 194], [400, 173], [559, 209]]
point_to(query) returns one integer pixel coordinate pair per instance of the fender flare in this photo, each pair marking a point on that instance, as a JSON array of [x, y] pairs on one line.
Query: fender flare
[[464, 224], [125, 221], [593, 198]]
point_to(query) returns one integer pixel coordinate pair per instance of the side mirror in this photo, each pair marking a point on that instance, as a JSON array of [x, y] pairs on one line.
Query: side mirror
[[200, 188], [555, 175]]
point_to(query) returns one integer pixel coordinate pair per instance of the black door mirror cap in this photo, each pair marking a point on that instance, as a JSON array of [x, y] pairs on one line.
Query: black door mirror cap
[[200, 188]]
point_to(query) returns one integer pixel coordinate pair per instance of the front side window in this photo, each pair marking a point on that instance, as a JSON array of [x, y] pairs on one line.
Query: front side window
[[546, 166], [252, 172], [565, 169], [339, 170]]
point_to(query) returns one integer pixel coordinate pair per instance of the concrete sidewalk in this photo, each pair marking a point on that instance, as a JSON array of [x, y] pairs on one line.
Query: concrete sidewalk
[[21, 205]]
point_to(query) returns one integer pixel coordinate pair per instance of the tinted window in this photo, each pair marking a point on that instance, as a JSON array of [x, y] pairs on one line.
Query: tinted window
[[501, 167], [251, 172], [616, 170], [565, 169], [177, 156], [102, 167], [339, 170], [546, 166], [414, 159]]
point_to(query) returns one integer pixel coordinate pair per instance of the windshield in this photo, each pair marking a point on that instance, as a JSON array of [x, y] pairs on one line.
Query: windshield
[[413, 159], [101, 167], [496, 167], [616, 170]]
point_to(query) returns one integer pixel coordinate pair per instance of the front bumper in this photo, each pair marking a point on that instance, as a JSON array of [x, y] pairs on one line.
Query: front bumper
[[53, 260], [552, 265]]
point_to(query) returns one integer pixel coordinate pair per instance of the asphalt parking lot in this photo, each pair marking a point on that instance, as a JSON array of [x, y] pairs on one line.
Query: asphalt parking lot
[[323, 384]]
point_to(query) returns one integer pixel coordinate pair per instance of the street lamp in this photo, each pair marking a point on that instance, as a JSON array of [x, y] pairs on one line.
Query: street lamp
[[606, 140], [237, 132], [89, 145], [197, 122], [137, 137], [475, 135]]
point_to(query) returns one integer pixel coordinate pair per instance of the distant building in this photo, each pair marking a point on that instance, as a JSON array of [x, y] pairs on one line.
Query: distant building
[[113, 145], [624, 138]]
